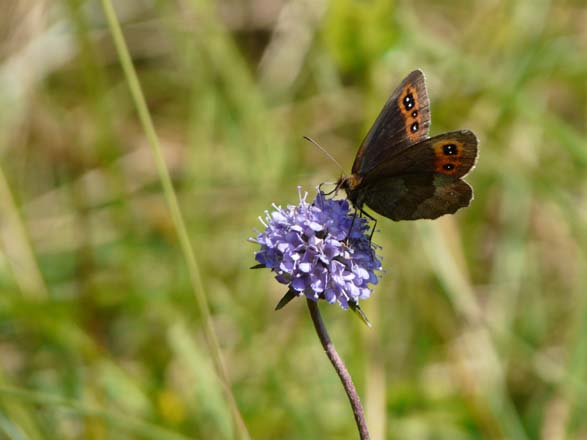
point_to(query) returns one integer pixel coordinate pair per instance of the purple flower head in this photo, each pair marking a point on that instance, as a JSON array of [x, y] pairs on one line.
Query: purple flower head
[[306, 246]]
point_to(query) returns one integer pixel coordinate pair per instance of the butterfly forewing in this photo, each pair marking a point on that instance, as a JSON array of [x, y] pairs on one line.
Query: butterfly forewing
[[403, 121]]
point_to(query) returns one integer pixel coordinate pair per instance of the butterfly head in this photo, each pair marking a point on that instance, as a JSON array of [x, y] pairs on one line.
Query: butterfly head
[[349, 184]]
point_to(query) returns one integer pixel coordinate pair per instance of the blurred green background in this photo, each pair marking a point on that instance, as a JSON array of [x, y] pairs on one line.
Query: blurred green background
[[480, 321]]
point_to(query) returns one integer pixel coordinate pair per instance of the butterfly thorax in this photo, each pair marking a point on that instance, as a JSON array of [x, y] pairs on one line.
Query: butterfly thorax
[[350, 185]]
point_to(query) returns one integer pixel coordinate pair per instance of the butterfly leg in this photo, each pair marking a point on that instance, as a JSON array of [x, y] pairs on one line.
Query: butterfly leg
[[330, 192], [372, 231], [348, 235], [372, 218]]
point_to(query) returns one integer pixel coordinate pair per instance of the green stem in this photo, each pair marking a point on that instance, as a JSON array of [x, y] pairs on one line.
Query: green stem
[[173, 205]]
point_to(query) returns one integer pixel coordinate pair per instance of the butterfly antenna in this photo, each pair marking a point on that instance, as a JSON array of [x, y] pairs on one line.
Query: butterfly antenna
[[309, 139]]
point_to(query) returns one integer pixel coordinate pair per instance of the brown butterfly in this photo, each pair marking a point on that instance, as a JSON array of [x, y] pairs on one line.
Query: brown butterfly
[[401, 173]]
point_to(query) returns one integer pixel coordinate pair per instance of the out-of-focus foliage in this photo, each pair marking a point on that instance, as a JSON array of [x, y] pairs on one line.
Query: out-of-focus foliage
[[480, 320]]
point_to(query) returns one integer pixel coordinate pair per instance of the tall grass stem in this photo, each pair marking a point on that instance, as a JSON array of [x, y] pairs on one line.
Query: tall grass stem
[[174, 209]]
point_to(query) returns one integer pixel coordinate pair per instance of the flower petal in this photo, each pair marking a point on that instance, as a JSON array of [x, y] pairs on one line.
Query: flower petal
[[312, 248]]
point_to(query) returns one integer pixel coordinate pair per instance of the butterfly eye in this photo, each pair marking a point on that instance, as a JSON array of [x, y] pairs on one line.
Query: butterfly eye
[[449, 149]]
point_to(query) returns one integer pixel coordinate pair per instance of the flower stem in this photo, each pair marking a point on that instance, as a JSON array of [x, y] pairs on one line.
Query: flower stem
[[341, 370]]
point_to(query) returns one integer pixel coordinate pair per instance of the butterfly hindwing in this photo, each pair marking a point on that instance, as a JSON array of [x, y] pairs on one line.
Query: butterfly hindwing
[[403, 121], [418, 196], [451, 154]]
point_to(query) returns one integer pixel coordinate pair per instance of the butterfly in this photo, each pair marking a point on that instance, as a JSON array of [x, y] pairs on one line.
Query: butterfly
[[402, 173]]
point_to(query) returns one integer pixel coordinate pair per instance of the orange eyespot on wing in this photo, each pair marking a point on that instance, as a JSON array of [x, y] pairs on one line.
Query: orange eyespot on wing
[[403, 121], [409, 103], [455, 153]]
